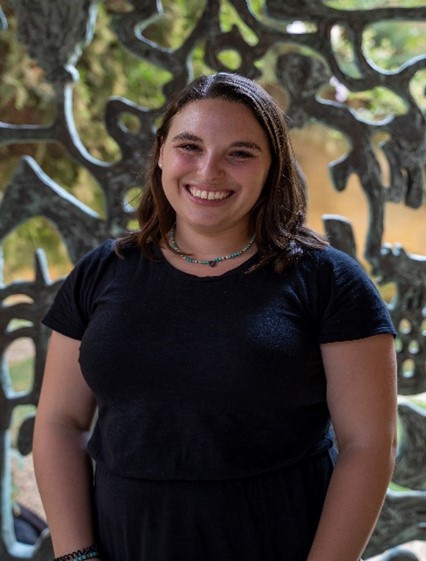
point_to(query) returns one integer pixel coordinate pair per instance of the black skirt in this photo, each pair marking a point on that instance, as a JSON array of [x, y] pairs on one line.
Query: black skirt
[[269, 517]]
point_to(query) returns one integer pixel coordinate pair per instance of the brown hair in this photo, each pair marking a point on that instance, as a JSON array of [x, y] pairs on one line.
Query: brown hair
[[278, 217]]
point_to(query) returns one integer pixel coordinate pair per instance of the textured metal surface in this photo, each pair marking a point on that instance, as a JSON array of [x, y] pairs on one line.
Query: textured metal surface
[[56, 32]]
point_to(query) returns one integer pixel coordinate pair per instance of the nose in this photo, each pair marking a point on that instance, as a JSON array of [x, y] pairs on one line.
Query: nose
[[210, 166]]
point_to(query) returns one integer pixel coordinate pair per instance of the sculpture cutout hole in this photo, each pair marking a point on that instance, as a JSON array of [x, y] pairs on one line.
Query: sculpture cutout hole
[[405, 326], [343, 49], [414, 347], [17, 299], [399, 347], [21, 245], [130, 123], [20, 361], [230, 58], [382, 41], [21, 428], [131, 201], [408, 368]]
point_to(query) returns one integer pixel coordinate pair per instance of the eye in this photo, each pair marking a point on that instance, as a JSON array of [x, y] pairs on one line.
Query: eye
[[242, 154], [189, 147]]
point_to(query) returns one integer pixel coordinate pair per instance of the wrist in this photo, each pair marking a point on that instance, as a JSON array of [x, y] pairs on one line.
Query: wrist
[[90, 552]]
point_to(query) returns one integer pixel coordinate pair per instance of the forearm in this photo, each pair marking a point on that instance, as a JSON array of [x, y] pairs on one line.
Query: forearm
[[64, 477], [353, 502]]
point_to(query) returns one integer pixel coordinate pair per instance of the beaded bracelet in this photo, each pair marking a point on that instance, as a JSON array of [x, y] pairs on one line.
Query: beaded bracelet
[[81, 554]]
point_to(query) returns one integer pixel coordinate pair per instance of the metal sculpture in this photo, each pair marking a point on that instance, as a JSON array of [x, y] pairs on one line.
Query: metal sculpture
[[55, 34]]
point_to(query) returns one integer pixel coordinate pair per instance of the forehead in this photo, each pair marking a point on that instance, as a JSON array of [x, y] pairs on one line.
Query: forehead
[[217, 116]]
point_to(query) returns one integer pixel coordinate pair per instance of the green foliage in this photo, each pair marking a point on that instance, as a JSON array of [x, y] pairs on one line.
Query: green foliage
[[21, 373], [377, 104], [175, 25], [20, 247], [390, 44], [372, 4], [387, 45]]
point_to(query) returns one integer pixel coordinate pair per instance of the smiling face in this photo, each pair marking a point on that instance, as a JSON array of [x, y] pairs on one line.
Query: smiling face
[[215, 161]]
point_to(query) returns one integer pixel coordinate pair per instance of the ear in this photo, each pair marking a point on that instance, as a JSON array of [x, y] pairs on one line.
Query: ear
[[160, 157]]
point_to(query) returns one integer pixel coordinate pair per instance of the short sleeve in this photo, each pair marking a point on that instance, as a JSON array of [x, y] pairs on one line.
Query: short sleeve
[[75, 301], [349, 306]]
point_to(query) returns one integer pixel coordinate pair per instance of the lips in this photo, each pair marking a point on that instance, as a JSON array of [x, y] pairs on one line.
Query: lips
[[209, 195]]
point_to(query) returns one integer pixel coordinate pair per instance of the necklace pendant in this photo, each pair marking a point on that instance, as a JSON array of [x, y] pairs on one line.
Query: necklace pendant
[[209, 262]]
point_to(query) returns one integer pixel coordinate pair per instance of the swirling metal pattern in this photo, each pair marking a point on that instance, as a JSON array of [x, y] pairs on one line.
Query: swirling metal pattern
[[56, 32]]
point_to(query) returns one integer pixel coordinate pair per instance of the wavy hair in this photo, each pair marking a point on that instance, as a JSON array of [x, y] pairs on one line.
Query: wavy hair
[[279, 215]]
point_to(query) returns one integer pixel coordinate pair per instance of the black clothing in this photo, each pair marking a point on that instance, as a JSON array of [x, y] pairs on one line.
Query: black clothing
[[211, 379], [267, 517]]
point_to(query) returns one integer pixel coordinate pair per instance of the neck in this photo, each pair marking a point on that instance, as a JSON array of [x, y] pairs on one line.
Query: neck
[[212, 249], [208, 243]]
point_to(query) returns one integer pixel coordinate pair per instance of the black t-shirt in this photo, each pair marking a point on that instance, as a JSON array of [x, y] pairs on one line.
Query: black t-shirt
[[211, 377]]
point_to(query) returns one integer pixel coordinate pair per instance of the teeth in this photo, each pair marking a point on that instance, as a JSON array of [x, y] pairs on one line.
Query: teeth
[[209, 195]]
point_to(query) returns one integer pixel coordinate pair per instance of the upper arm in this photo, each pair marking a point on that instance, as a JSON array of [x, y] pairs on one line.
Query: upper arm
[[65, 396], [361, 390]]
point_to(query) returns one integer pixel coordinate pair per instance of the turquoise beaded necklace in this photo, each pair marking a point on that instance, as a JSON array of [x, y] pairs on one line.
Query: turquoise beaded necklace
[[209, 262]]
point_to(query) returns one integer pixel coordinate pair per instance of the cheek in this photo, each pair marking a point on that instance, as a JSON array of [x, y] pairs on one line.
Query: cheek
[[256, 183], [171, 182], [166, 182], [175, 166]]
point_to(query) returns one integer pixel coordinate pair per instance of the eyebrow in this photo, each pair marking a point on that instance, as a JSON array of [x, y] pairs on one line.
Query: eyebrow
[[186, 136], [236, 144]]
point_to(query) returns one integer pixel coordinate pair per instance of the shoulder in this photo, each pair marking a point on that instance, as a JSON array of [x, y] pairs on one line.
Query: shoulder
[[92, 268], [106, 256], [99, 253], [329, 256], [345, 298], [330, 265], [334, 272]]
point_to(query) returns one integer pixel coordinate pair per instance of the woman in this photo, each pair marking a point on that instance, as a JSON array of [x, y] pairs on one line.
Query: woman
[[218, 342]]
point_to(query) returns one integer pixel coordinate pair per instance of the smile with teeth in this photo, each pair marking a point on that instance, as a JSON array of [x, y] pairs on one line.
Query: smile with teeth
[[209, 195]]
